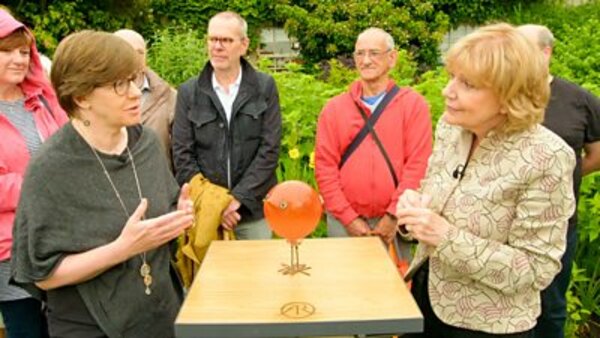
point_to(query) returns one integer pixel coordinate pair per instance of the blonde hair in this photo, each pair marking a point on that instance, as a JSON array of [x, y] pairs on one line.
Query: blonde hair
[[89, 59], [502, 59]]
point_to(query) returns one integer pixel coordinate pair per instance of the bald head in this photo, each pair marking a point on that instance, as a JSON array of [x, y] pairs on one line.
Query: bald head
[[540, 36], [377, 33], [135, 40]]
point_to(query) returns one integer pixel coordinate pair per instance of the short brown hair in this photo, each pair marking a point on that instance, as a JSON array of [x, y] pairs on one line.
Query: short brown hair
[[17, 39], [89, 59], [499, 57]]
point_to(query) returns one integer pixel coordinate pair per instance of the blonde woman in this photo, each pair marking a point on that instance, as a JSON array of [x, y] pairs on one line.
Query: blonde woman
[[491, 215]]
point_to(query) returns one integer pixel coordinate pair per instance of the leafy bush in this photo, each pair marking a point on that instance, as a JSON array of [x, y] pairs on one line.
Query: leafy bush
[[53, 20], [196, 14], [326, 29], [430, 86], [476, 12], [177, 55]]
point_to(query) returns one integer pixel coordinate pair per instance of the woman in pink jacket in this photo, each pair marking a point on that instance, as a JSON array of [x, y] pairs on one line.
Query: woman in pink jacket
[[29, 114]]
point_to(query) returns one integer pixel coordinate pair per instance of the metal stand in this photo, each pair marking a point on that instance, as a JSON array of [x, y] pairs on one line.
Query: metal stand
[[294, 267]]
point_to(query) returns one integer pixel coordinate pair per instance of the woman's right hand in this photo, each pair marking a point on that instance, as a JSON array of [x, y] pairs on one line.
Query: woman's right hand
[[140, 235], [412, 199]]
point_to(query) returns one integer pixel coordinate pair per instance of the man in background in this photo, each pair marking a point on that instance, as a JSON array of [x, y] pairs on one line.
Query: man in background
[[361, 181], [573, 114], [227, 127], [158, 98]]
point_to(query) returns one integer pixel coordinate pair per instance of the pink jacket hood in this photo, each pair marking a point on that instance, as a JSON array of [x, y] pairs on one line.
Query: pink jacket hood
[[35, 82]]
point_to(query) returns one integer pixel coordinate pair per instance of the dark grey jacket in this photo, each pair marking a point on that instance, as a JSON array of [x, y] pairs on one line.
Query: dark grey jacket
[[202, 141]]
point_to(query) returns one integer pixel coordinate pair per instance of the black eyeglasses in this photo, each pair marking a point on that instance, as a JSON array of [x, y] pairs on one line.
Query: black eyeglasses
[[122, 87], [225, 41]]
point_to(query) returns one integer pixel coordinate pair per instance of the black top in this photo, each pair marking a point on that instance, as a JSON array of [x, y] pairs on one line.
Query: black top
[[573, 114], [68, 206]]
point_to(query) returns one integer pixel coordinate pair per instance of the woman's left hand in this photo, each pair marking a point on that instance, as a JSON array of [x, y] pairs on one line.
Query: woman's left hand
[[185, 203], [424, 225]]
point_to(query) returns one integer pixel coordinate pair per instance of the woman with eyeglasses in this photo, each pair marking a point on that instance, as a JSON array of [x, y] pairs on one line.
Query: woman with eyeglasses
[[99, 205], [29, 114]]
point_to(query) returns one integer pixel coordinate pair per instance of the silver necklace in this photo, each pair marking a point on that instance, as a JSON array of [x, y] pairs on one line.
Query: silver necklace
[[145, 269]]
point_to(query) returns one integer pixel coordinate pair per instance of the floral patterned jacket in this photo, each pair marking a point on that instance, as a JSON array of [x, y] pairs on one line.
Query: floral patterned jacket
[[510, 212]]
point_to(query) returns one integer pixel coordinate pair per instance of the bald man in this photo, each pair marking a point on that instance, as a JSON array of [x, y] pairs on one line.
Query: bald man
[[360, 179], [158, 98], [573, 114]]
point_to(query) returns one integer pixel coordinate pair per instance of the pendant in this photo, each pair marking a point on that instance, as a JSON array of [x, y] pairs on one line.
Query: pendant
[[145, 269], [147, 278]]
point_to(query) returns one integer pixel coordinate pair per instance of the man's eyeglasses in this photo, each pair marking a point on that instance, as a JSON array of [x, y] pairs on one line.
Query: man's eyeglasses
[[122, 87], [225, 41], [372, 53]]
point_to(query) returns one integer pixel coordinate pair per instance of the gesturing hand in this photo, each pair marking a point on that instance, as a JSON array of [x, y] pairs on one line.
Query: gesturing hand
[[141, 235]]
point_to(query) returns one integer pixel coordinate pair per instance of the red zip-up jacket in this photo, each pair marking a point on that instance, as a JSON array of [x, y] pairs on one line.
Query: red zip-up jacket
[[14, 155], [364, 185]]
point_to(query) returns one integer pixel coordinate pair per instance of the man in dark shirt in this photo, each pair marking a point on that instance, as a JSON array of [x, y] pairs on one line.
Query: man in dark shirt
[[573, 114]]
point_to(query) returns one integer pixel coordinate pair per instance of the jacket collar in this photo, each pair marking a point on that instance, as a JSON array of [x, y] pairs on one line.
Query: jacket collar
[[249, 78], [356, 89], [248, 88]]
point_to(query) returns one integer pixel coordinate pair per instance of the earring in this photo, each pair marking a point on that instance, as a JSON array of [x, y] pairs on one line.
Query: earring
[[86, 123]]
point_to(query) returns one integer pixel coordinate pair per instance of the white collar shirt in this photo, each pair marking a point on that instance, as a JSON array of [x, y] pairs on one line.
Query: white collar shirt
[[227, 99]]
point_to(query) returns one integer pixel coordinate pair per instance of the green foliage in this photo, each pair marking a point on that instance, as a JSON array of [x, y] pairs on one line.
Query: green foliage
[[326, 29], [476, 12], [584, 290], [577, 44], [302, 97], [53, 20], [177, 55], [196, 14], [430, 86]]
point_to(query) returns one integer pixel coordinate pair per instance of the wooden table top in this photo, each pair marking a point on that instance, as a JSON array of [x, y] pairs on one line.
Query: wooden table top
[[353, 288]]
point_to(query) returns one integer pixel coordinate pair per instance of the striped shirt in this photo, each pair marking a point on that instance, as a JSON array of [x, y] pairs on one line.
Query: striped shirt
[[24, 122]]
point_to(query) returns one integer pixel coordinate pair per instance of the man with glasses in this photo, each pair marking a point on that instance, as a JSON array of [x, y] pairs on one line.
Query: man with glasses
[[362, 172], [158, 98], [228, 127]]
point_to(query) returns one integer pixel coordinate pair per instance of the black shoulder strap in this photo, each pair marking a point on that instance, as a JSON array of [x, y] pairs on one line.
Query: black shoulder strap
[[369, 128], [45, 103]]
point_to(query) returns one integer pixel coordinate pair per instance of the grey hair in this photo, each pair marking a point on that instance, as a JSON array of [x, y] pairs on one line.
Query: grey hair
[[544, 36], [389, 40], [235, 16]]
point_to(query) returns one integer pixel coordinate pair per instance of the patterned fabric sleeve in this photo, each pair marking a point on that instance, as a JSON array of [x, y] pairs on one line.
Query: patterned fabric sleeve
[[531, 256]]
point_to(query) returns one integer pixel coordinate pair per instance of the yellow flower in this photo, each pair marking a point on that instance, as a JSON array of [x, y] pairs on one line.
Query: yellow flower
[[311, 162], [294, 153]]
